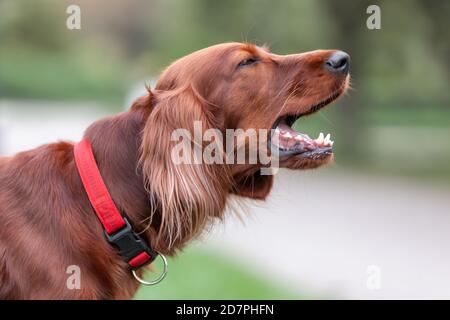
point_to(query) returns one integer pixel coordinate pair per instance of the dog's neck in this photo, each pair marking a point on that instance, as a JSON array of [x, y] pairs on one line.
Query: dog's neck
[[116, 144]]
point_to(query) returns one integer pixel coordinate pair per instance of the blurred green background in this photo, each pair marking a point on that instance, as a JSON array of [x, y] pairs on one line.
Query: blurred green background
[[202, 274], [395, 120], [399, 105]]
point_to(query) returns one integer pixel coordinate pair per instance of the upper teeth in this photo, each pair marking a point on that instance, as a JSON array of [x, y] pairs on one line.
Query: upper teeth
[[319, 140], [326, 141]]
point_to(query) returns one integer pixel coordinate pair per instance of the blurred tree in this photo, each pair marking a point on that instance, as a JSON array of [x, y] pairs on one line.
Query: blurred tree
[[349, 19], [439, 40], [35, 24]]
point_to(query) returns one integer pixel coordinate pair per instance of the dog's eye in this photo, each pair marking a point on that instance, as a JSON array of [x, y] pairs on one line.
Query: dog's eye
[[247, 62]]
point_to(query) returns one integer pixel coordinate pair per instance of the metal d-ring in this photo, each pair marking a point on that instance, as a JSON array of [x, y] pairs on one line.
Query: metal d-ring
[[156, 281]]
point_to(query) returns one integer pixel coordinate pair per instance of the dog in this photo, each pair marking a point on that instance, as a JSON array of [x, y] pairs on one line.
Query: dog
[[48, 222]]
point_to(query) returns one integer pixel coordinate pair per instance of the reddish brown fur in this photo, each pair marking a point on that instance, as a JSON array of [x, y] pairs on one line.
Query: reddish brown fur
[[47, 221]]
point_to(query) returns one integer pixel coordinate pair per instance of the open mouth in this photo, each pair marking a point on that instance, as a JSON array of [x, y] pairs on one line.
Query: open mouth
[[286, 141]]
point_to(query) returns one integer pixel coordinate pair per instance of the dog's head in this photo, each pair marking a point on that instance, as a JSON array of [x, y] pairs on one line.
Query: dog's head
[[245, 88]]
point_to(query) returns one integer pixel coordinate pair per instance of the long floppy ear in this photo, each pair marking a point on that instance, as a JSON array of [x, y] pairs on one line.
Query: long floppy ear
[[185, 192]]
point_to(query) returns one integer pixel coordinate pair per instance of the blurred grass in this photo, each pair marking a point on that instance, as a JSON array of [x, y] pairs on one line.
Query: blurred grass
[[32, 74], [198, 274]]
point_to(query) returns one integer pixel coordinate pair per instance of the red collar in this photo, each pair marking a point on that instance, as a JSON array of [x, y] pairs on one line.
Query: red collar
[[118, 231]]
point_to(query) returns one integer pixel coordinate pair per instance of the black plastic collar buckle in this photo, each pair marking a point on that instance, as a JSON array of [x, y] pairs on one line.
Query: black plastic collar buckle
[[129, 243]]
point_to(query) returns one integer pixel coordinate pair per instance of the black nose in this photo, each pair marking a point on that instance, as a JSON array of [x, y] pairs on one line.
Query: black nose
[[338, 62]]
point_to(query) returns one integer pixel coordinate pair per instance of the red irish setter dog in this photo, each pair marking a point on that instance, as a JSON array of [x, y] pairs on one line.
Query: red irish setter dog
[[47, 222]]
